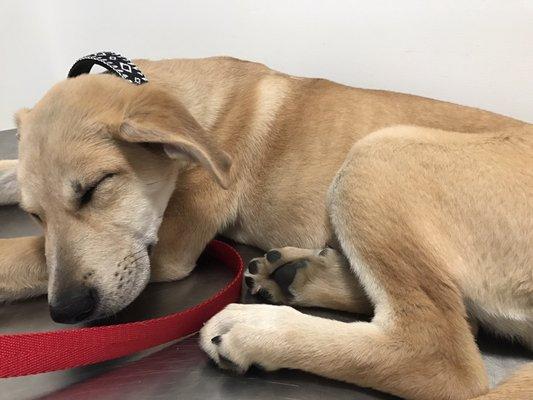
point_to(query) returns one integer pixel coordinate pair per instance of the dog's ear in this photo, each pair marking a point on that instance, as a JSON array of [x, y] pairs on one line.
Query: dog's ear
[[153, 116]]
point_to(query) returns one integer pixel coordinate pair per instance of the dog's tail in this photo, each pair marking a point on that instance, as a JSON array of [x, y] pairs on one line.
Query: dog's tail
[[519, 386], [9, 189]]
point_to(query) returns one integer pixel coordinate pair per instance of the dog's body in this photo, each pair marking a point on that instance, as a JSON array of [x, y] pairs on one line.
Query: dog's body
[[428, 204]]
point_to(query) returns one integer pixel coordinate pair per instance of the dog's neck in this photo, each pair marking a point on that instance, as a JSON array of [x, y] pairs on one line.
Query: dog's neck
[[204, 86], [236, 102]]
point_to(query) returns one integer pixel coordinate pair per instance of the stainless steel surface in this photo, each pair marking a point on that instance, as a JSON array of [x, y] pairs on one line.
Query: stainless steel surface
[[179, 370]]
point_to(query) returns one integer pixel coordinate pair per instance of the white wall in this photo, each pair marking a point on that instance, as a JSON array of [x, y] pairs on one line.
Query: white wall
[[474, 52]]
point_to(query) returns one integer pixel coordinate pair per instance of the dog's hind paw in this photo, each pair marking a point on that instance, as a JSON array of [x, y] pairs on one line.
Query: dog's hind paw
[[304, 277], [281, 274]]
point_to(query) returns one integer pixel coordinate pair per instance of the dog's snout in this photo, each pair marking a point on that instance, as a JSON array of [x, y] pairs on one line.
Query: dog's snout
[[74, 304]]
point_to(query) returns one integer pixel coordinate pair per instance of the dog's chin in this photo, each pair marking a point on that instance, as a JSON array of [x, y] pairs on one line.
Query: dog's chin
[[116, 301]]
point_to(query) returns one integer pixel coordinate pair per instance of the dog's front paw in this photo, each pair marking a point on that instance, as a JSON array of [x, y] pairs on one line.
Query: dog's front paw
[[243, 335], [11, 294], [167, 267]]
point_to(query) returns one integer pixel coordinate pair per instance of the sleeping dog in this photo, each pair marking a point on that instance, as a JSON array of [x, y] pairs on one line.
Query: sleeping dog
[[417, 211]]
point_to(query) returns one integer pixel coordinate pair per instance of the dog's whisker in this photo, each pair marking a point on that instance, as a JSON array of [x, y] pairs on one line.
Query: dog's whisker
[[130, 258], [131, 255]]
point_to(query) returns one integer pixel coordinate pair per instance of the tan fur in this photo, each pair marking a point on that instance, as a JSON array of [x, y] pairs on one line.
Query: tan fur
[[23, 273], [428, 201]]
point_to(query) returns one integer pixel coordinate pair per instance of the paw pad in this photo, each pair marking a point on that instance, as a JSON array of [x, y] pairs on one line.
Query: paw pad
[[284, 275], [253, 267], [273, 256]]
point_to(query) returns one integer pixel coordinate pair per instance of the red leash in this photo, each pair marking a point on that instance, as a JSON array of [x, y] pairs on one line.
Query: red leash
[[33, 353]]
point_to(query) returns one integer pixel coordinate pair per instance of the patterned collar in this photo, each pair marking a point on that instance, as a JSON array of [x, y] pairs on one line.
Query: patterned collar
[[113, 62]]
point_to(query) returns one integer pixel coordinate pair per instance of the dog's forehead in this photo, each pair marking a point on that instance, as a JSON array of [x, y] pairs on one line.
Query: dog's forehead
[[58, 147], [46, 171], [48, 142], [80, 101], [64, 137], [73, 113]]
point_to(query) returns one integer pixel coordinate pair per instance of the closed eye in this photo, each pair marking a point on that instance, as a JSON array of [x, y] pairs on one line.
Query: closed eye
[[87, 196]]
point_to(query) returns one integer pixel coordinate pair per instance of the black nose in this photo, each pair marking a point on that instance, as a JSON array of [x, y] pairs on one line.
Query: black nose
[[74, 304]]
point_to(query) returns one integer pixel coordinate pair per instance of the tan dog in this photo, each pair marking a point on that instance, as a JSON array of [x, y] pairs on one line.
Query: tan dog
[[429, 206]]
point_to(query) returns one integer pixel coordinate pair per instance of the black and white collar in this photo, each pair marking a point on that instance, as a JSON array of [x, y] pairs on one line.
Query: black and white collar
[[113, 62]]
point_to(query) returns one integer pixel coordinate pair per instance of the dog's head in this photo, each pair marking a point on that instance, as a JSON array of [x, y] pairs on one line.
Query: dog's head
[[98, 162]]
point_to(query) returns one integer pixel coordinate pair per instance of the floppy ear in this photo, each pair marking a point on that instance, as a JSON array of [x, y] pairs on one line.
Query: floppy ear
[[153, 116]]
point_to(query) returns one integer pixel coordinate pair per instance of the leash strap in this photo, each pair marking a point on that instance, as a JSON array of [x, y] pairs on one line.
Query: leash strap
[[33, 353], [113, 62]]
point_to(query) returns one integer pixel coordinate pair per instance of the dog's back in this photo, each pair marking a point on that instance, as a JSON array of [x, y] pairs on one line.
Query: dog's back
[[291, 135]]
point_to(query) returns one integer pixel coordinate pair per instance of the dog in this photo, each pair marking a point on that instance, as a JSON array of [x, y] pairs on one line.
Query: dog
[[417, 211]]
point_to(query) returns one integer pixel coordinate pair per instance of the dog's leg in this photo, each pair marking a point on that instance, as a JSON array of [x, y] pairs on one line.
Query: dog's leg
[[367, 354], [9, 192], [192, 218], [22, 268], [309, 278], [417, 346], [178, 247]]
